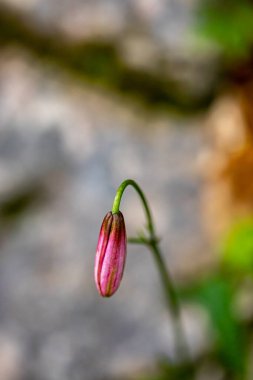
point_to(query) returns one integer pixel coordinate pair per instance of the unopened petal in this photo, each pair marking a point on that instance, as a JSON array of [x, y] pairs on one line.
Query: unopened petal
[[112, 257], [101, 247]]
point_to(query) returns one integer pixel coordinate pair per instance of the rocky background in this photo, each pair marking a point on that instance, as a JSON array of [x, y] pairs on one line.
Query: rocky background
[[68, 137]]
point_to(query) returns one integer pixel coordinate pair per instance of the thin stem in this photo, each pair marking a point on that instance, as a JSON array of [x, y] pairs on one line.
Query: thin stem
[[172, 300], [117, 200], [153, 244]]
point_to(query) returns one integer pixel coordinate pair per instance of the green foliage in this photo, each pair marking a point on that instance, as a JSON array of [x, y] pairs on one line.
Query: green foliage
[[229, 24], [216, 295], [237, 248]]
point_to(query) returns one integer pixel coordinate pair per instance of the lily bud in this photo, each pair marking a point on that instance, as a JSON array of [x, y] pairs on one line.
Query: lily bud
[[111, 254]]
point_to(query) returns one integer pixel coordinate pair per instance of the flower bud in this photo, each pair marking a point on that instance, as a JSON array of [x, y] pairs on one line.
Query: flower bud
[[111, 254]]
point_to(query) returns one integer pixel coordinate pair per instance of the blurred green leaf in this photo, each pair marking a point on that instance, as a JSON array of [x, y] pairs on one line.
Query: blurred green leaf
[[216, 295], [229, 24], [237, 247]]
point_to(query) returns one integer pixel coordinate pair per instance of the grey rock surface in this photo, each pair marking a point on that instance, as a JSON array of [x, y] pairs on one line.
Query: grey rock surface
[[76, 145], [166, 20], [157, 36]]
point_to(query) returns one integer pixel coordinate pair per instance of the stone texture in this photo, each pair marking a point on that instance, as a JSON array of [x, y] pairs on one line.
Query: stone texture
[[75, 145], [158, 37]]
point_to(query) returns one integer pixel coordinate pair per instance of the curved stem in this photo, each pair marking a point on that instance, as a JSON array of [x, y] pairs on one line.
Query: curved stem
[[117, 200], [153, 244]]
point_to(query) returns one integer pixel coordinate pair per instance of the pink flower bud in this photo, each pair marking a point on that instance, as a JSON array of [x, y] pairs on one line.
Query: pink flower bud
[[111, 254]]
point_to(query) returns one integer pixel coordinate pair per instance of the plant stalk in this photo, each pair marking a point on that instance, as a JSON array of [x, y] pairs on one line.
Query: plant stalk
[[152, 242]]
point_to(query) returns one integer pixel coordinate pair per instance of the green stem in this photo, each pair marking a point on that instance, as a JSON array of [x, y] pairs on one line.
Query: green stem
[[153, 244], [172, 301], [117, 200]]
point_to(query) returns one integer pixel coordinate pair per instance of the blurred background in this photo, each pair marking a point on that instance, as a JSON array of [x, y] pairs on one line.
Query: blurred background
[[93, 92]]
